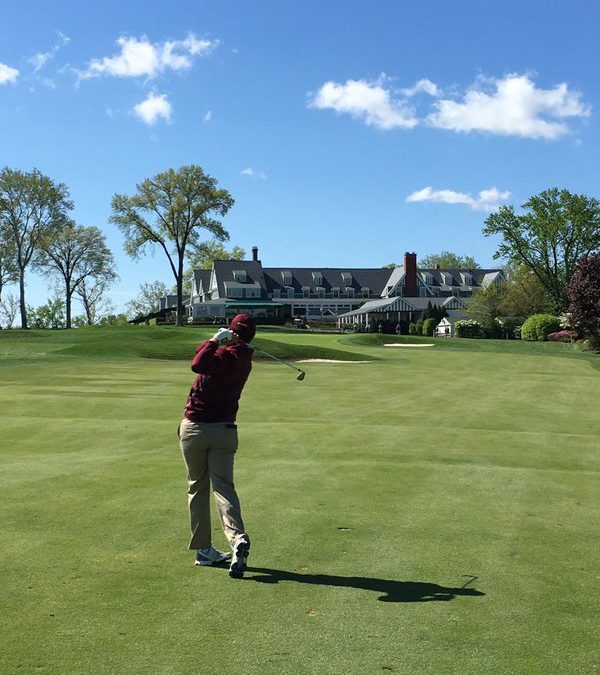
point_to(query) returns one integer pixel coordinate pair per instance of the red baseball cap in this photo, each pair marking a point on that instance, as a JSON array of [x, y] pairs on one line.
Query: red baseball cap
[[244, 326]]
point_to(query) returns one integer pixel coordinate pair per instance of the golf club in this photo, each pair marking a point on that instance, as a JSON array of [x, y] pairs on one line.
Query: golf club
[[301, 374]]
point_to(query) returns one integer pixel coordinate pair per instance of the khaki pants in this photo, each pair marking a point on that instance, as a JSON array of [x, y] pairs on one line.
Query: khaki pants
[[208, 451]]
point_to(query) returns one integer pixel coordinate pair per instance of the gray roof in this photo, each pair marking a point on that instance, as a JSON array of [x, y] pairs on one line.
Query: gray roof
[[373, 279], [254, 273], [202, 279]]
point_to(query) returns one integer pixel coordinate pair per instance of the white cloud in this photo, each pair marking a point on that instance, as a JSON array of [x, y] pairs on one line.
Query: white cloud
[[512, 106], [424, 85], [207, 116], [153, 108], [8, 74], [142, 58], [487, 200], [39, 60], [253, 173], [369, 101]]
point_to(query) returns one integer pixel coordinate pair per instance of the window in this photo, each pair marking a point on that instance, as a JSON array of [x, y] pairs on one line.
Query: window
[[290, 292], [347, 277], [447, 278], [239, 276], [234, 293], [286, 278], [335, 292], [305, 291], [253, 292], [277, 292], [350, 292], [365, 291], [428, 278], [317, 278], [320, 292], [467, 279]]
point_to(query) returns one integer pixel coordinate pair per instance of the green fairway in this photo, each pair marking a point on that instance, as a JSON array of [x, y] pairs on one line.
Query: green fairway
[[412, 510]]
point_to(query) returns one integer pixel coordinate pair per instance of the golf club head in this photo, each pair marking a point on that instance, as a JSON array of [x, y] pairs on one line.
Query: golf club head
[[301, 375]]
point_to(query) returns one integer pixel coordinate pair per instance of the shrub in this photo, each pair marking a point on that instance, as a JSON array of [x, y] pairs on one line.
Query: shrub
[[419, 327], [539, 326], [412, 328], [510, 326], [563, 336], [468, 328], [429, 326]]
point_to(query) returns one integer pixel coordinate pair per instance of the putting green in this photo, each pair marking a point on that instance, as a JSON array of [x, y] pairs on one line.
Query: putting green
[[430, 511]]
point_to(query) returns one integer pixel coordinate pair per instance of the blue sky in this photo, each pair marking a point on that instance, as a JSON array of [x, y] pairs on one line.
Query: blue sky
[[347, 132]]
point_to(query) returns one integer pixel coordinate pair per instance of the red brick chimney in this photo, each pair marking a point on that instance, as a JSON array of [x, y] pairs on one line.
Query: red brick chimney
[[255, 253], [410, 279]]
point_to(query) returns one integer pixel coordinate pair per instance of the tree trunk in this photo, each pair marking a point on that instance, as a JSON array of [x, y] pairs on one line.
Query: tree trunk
[[179, 316], [22, 298], [68, 306]]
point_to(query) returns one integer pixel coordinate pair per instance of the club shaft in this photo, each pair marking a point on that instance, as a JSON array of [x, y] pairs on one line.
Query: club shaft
[[276, 358]]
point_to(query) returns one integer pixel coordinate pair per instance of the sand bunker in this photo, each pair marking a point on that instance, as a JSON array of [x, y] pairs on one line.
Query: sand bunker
[[399, 344]]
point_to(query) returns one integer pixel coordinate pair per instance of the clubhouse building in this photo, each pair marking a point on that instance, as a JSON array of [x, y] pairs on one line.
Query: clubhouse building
[[350, 296]]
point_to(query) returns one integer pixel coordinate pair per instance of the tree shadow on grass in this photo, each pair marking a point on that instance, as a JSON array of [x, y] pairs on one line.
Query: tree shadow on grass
[[393, 591]]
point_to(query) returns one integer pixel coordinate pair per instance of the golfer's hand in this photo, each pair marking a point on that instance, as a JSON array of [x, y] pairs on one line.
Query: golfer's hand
[[222, 335]]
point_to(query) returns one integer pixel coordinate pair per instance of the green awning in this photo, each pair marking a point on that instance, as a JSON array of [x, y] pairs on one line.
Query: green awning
[[256, 303]]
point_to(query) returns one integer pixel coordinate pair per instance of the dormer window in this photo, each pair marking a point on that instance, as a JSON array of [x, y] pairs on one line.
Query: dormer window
[[350, 292], [290, 292], [365, 291], [317, 278], [427, 278], [277, 292], [447, 277], [305, 291], [335, 291], [239, 276], [467, 279], [347, 277], [320, 291], [286, 278]]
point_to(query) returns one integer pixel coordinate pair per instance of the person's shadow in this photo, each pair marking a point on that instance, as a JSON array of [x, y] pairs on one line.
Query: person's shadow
[[393, 591]]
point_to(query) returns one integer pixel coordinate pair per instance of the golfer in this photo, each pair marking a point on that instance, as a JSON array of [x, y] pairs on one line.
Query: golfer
[[208, 439]]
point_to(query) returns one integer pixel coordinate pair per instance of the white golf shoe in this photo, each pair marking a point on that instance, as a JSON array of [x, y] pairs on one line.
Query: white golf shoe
[[210, 556], [239, 559]]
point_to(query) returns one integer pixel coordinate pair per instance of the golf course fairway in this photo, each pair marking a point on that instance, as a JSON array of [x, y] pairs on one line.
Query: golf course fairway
[[411, 510]]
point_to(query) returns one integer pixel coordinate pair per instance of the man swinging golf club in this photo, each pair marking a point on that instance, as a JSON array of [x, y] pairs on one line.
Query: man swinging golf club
[[208, 439]]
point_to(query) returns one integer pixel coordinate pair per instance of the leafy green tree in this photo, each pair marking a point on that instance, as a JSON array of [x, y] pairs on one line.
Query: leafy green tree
[[50, 315], [524, 293], [33, 209], [9, 308], [169, 211], [146, 301], [448, 261], [555, 231], [584, 298], [75, 254], [92, 293]]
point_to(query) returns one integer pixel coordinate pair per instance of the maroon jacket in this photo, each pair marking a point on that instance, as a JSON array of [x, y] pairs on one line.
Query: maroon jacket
[[222, 374]]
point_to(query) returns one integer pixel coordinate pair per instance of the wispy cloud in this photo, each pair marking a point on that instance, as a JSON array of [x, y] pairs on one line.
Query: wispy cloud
[[39, 60], [154, 108], [142, 58], [8, 74], [207, 116], [372, 102], [487, 200], [254, 173], [511, 106]]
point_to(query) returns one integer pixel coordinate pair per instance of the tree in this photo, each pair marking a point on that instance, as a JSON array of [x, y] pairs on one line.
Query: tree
[[8, 261], [146, 301], [180, 203], [75, 254], [487, 304], [448, 261], [584, 298], [557, 229], [8, 309], [33, 209], [524, 293], [50, 315], [202, 256], [91, 291]]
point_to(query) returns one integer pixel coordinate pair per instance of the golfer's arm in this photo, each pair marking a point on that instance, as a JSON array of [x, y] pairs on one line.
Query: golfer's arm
[[208, 358]]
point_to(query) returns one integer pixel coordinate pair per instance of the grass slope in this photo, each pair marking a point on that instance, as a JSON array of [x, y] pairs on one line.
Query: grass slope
[[373, 493]]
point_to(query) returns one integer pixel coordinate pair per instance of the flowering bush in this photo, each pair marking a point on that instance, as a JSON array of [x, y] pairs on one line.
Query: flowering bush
[[563, 336], [468, 328]]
